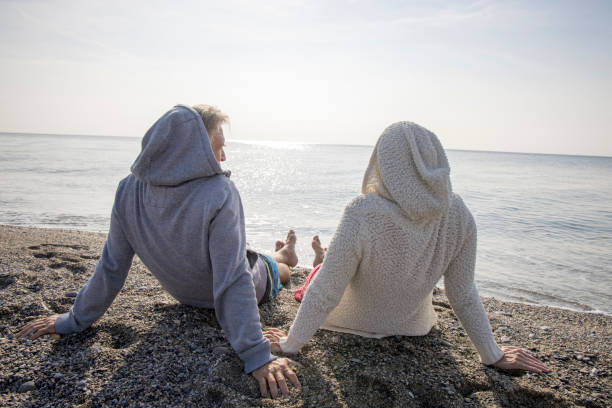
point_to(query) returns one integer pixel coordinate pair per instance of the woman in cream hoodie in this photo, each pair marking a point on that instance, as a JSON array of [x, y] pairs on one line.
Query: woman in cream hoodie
[[393, 244]]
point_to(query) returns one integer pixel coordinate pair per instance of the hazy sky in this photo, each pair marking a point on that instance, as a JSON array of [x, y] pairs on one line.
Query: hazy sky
[[530, 76]]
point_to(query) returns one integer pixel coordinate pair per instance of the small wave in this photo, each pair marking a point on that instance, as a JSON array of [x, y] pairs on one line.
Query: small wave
[[533, 297], [73, 171], [274, 144]]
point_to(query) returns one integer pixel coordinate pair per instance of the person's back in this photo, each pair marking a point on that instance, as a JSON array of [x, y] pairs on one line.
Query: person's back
[[392, 245], [154, 218], [182, 215], [401, 260]]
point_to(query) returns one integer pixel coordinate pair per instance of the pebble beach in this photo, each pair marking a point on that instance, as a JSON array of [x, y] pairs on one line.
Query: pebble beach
[[149, 350]]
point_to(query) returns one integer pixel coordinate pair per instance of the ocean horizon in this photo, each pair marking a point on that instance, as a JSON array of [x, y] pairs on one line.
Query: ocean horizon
[[282, 142], [544, 220]]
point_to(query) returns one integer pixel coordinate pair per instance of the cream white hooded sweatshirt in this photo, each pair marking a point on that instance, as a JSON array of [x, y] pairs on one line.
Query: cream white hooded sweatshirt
[[392, 246]]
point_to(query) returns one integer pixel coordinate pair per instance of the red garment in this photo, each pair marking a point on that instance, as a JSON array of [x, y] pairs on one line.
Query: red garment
[[299, 294]]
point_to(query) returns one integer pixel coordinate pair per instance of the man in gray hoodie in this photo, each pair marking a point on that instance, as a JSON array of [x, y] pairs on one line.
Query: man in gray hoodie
[[181, 213]]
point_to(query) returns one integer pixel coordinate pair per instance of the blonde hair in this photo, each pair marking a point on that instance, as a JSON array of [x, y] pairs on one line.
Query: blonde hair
[[211, 116], [373, 182]]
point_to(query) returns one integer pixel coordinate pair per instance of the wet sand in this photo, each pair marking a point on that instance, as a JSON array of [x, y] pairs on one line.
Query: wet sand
[[148, 350]]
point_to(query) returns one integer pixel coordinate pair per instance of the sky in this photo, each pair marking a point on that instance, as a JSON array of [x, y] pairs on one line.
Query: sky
[[519, 76]]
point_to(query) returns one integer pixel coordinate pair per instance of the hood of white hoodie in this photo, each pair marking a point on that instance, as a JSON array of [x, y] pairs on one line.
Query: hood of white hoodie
[[409, 166], [175, 150]]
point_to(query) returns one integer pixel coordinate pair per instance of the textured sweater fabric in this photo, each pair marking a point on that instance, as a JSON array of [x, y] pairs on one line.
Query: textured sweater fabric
[[183, 216], [392, 246]]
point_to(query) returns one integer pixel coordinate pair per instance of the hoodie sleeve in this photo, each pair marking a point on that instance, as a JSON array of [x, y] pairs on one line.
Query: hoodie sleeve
[[234, 293], [461, 291], [327, 288], [100, 291]]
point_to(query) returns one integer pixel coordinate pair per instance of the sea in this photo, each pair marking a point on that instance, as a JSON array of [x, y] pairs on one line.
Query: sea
[[544, 221]]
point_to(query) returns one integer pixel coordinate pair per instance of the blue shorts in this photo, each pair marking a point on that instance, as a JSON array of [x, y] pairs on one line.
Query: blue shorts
[[273, 285]]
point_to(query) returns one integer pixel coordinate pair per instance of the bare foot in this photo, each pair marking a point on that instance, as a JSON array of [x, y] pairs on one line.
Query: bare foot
[[286, 254], [278, 245], [318, 250], [291, 238]]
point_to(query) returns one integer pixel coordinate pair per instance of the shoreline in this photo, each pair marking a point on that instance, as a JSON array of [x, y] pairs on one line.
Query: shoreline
[[307, 266], [150, 350]]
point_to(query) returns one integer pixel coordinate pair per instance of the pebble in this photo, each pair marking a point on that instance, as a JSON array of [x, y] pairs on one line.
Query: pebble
[[56, 336], [505, 339], [118, 373], [545, 328], [71, 294], [27, 386], [221, 350]]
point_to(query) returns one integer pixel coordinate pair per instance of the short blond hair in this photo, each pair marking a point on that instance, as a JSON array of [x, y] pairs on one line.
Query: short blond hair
[[211, 116]]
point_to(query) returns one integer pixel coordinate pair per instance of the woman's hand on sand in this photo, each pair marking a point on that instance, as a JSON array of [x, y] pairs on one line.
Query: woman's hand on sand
[[38, 327], [516, 358], [274, 375], [274, 335]]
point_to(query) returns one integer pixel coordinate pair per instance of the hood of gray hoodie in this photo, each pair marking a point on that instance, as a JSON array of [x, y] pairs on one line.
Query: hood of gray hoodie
[[409, 166], [176, 149]]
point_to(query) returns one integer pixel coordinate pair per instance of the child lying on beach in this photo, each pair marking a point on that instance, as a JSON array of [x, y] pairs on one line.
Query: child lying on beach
[[393, 244]]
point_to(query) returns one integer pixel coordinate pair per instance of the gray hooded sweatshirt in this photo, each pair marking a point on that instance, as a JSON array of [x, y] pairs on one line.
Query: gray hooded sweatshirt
[[183, 217]]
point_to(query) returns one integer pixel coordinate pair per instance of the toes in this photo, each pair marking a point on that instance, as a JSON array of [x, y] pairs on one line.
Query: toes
[[278, 245], [291, 238]]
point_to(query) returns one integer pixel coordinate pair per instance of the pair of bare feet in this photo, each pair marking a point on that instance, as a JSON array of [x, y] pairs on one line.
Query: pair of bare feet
[[285, 251]]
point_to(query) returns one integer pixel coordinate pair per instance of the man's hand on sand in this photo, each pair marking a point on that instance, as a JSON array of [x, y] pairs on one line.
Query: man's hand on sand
[[38, 327], [273, 375], [273, 335], [518, 359]]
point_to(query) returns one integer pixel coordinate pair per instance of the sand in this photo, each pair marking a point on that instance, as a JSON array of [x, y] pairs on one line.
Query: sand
[[148, 350]]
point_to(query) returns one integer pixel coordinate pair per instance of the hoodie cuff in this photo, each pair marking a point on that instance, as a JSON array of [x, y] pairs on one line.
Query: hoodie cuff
[[490, 353], [65, 324], [254, 359], [290, 345]]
